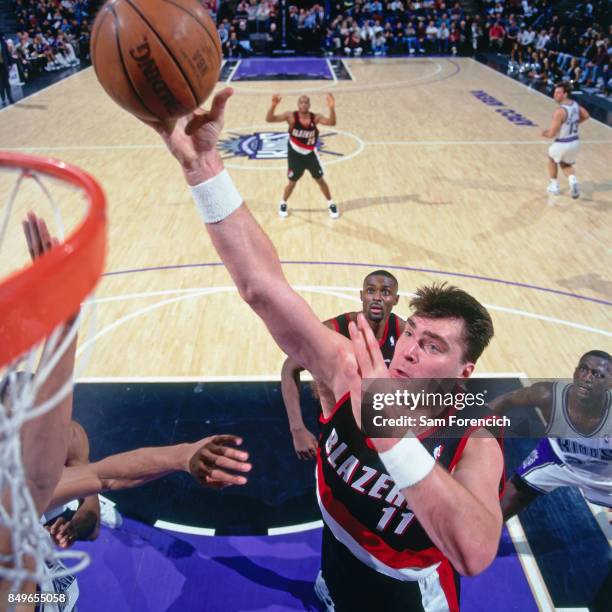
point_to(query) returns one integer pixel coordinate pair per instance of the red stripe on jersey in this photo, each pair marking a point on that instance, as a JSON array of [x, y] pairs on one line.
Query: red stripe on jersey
[[447, 582], [339, 403], [300, 145], [368, 540], [458, 454], [385, 333], [370, 444], [502, 484], [336, 326]]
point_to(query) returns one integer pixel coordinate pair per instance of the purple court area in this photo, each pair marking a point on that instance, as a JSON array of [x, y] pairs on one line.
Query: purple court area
[[305, 68], [138, 567]]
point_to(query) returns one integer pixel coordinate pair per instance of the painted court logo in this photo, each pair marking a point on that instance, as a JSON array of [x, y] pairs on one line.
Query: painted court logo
[[270, 145]]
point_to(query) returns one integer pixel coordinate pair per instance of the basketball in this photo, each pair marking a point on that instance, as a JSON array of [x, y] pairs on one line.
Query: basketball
[[157, 59]]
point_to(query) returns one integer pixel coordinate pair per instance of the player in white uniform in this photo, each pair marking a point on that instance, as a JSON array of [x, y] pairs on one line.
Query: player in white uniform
[[577, 451], [564, 129]]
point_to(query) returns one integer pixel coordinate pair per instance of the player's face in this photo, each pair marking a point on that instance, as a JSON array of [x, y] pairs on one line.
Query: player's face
[[592, 377], [303, 104], [431, 348], [378, 297], [559, 94]]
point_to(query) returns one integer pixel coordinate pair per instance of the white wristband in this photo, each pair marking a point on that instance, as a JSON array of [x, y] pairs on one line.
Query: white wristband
[[408, 462], [216, 198]]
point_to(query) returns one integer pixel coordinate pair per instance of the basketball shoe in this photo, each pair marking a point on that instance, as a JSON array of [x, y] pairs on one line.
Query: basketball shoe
[[574, 188]]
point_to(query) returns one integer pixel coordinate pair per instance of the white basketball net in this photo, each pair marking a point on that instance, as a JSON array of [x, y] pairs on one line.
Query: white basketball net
[[32, 555]]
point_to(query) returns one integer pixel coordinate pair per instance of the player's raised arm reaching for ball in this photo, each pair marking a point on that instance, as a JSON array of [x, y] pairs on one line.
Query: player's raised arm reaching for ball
[[405, 516]]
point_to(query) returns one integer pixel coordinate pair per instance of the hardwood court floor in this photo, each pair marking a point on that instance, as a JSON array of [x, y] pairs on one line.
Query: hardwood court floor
[[432, 182]]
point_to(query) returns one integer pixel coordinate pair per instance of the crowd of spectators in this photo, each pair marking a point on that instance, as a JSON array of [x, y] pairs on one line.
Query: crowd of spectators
[[51, 35], [546, 46], [397, 28], [352, 27], [542, 43]]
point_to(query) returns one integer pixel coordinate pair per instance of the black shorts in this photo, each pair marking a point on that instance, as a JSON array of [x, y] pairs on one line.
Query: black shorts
[[298, 163], [355, 587]]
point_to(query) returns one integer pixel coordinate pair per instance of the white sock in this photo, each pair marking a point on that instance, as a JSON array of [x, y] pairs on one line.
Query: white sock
[[572, 179], [554, 182], [330, 203], [282, 202]]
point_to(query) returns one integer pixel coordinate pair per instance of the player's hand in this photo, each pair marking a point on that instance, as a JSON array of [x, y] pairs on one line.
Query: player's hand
[[37, 236], [39, 242], [367, 350], [367, 362], [192, 137], [276, 98], [331, 102], [62, 532], [544, 134], [304, 443], [214, 463]]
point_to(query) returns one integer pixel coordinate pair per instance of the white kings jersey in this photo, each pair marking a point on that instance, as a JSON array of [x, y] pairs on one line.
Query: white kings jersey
[[588, 457], [569, 128]]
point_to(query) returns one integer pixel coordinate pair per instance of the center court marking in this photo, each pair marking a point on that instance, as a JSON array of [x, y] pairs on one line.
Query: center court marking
[[281, 166], [228, 164]]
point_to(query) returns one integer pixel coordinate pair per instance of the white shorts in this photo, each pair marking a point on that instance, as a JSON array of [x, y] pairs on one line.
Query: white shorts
[[565, 152], [548, 477]]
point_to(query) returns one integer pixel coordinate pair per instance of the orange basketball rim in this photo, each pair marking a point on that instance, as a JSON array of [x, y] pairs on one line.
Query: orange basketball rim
[[36, 299]]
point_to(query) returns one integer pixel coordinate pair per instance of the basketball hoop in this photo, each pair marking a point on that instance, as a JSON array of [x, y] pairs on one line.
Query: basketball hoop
[[37, 324]]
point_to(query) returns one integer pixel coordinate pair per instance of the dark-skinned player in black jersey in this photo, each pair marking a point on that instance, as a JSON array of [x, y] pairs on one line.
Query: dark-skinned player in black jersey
[[302, 147], [378, 298]]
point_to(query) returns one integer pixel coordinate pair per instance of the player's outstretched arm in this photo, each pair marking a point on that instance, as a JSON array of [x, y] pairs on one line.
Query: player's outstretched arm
[[212, 461], [45, 439], [85, 524], [246, 250], [271, 116], [304, 442], [331, 120], [538, 394]]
